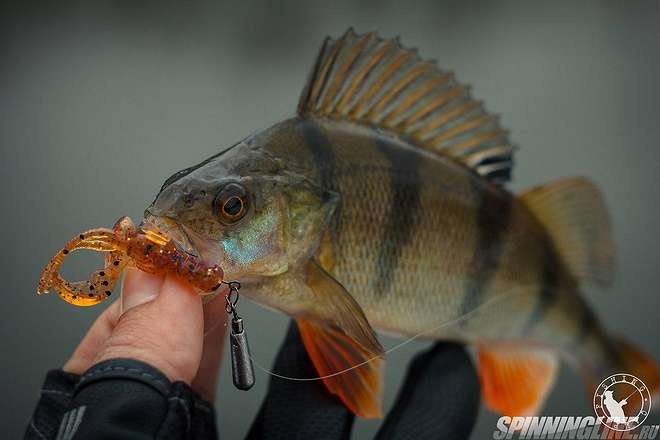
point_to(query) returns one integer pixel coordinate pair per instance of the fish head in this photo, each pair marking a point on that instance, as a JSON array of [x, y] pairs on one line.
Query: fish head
[[246, 210]]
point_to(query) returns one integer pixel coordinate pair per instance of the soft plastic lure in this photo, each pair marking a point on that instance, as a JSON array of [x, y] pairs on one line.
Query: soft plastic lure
[[146, 247]]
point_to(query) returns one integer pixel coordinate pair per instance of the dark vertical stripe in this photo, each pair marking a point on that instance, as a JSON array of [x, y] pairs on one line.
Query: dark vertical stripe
[[548, 292], [589, 329], [325, 162], [322, 154], [492, 221], [588, 324], [403, 211], [592, 342]]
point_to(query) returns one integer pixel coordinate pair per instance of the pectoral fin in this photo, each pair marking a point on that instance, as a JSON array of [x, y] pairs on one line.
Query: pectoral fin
[[515, 379], [341, 343], [340, 309], [332, 352]]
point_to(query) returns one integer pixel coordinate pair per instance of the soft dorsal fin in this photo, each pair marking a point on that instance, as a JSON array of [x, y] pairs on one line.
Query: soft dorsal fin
[[573, 212], [376, 82]]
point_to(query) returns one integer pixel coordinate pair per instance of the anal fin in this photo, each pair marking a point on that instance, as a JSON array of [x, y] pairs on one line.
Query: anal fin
[[332, 351], [515, 379]]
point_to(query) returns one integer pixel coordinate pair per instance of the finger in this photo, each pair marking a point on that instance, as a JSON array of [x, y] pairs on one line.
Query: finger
[[143, 287], [83, 357], [165, 332], [299, 409], [215, 317], [439, 399], [138, 288]]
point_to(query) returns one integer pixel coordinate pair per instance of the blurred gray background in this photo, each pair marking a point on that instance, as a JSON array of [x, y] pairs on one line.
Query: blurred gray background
[[101, 101]]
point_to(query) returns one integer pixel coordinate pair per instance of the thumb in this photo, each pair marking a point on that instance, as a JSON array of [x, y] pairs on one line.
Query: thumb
[[161, 324]]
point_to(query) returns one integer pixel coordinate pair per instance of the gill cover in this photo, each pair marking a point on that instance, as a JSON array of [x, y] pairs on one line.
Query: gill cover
[[244, 210]]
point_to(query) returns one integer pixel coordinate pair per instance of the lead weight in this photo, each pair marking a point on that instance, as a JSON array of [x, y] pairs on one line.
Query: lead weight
[[242, 370]]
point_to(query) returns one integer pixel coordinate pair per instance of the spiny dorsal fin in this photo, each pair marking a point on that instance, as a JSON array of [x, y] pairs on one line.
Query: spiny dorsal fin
[[374, 81]]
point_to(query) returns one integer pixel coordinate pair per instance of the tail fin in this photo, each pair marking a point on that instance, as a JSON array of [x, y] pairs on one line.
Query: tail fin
[[623, 359], [574, 214], [633, 361]]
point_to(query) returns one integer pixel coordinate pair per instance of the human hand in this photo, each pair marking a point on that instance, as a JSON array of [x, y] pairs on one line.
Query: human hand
[[159, 320], [439, 399], [140, 370]]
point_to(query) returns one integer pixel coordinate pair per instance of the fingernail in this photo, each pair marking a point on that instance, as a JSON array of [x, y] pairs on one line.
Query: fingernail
[[138, 288]]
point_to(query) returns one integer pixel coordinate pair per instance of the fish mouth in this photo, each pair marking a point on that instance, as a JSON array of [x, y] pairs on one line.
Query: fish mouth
[[185, 240], [188, 240], [173, 231]]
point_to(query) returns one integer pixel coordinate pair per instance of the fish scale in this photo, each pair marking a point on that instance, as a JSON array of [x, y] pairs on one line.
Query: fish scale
[[427, 286]]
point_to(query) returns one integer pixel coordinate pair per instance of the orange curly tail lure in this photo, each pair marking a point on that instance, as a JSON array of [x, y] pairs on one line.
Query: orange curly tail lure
[[147, 248]]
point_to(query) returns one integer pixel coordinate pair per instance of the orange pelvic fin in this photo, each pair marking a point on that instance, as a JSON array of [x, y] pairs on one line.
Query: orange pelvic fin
[[332, 351], [515, 379]]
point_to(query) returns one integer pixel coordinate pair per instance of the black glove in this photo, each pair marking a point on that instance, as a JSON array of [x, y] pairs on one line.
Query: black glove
[[439, 399], [119, 399], [123, 398]]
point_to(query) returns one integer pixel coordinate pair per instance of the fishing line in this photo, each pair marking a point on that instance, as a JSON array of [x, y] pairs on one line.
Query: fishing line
[[214, 326], [217, 322], [389, 350]]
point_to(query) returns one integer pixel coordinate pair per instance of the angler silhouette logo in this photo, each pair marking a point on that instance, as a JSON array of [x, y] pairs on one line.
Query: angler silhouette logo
[[622, 402]]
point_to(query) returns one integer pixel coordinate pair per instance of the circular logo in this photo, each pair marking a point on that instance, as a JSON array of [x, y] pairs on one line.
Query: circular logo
[[622, 402]]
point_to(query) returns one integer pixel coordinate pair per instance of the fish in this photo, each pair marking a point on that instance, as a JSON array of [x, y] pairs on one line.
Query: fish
[[382, 206]]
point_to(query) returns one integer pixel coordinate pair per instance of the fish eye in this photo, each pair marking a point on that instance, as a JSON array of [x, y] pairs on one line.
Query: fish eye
[[231, 203]]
